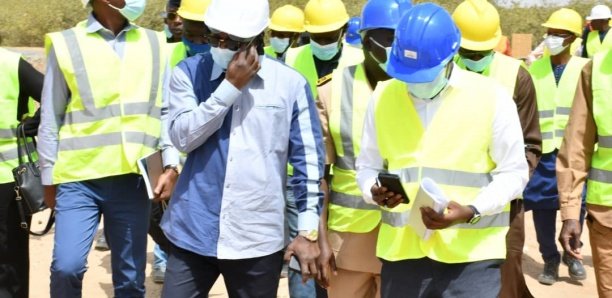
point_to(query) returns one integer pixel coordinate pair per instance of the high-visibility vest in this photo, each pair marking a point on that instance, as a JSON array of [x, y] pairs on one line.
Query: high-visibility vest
[[270, 51], [302, 60], [351, 93], [599, 185], [178, 52], [113, 116], [461, 173], [9, 97], [503, 69], [554, 101], [594, 45]]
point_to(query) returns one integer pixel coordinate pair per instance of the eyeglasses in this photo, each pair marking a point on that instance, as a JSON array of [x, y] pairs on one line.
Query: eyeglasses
[[231, 44], [473, 55]]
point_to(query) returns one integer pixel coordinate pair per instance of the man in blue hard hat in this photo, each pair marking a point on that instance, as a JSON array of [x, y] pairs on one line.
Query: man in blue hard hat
[[460, 132]]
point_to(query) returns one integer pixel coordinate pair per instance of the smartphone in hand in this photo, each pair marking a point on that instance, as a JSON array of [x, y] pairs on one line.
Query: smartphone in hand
[[393, 183]]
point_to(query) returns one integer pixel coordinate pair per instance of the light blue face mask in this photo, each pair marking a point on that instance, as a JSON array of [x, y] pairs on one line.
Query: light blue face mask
[[480, 65], [430, 89], [132, 10], [193, 48], [167, 32], [324, 52]]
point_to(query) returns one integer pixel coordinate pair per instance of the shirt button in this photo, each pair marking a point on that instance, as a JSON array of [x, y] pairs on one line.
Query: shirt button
[[227, 186], [231, 159], [238, 108]]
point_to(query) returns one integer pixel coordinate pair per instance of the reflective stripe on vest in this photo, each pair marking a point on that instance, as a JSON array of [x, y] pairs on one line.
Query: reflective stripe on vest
[[599, 185], [113, 116], [554, 101], [594, 45], [9, 96], [348, 212], [461, 173]]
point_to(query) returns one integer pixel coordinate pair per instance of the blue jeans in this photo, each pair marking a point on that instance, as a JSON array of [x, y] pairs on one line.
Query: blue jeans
[[124, 203], [160, 258]]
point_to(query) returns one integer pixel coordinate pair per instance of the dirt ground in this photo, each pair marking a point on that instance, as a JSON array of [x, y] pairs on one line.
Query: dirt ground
[[97, 282]]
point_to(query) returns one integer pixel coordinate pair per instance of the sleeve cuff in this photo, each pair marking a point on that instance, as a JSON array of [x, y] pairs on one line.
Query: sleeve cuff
[[46, 176], [308, 221], [367, 194], [170, 156], [570, 210], [226, 93]]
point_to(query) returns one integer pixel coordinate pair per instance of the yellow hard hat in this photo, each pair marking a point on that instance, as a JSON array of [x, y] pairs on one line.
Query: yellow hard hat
[[287, 18], [565, 19], [478, 21], [324, 16], [193, 10]]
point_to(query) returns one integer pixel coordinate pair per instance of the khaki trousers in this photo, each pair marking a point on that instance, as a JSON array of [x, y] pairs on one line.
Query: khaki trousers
[[601, 246], [512, 279]]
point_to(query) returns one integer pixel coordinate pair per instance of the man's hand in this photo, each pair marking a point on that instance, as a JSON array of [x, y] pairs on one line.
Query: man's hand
[[243, 67], [326, 263], [49, 195], [457, 213], [570, 234], [165, 185], [382, 197], [307, 253]]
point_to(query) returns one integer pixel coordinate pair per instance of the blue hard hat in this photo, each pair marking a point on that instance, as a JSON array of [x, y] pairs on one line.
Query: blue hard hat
[[426, 39], [383, 13], [352, 33]]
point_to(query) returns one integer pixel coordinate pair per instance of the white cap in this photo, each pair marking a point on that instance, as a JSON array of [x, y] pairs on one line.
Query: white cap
[[600, 12], [240, 18]]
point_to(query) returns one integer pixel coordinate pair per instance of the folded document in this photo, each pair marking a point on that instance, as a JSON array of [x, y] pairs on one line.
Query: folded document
[[429, 195]]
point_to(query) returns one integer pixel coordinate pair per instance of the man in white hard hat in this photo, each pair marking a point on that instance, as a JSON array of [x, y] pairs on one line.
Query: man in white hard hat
[[597, 39], [240, 116]]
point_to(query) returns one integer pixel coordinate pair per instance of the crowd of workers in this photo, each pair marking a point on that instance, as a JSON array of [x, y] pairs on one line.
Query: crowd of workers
[[284, 144]]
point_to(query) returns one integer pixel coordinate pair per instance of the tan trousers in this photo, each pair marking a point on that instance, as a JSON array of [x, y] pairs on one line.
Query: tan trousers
[[513, 283], [358, 267], [601, 246]]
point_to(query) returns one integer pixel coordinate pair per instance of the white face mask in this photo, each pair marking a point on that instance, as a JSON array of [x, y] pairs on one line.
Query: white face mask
[[555, 44], [222, 57], [324, 52], [132, 10], [382, 65], [279, 45], [430, 89]]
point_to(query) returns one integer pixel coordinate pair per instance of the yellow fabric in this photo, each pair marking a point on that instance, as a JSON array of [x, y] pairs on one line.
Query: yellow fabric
[[403, 143], [270, 51], [503, 69], [360, 217], [193, 9], [594, 45], [478, 21], [287, 18], [565, 19], [599, 188], [112, 118], [554, 101], [178, 52]]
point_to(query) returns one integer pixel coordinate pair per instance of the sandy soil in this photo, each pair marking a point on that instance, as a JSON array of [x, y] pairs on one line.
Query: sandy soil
[[97, 282]]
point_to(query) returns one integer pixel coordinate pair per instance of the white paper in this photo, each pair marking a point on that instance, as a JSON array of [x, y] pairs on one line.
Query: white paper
[[429, 195], [151, 168]]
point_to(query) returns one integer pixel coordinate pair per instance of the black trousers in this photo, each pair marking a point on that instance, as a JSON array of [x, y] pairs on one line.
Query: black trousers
[[14, 247], [192, 275], [155, 230], [431, 279]]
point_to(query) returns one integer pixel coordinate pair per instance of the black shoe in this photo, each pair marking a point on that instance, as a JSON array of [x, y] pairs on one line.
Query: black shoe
[[550, 274], [574, 267]]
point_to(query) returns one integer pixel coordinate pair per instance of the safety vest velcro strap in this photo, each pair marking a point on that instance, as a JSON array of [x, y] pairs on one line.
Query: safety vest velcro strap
[[547, 135], [345, 163], [400, 219], [7, 133], [604, 141], [600, 175], [109, 139], [563, 110], [114, 110], [547, 114], [350, 201], [447, 177]]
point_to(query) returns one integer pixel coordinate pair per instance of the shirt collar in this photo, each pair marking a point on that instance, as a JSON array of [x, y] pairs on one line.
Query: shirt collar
[[93, 26], [264, 62]]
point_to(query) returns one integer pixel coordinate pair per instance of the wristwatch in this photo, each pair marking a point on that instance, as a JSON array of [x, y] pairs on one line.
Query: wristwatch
[[476, 217], [172, 167], [312, 235]]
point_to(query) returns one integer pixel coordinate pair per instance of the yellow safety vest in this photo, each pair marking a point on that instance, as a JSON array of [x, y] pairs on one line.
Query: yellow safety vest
[[503, 69], [302, 60], [178, 52], [270, 51], [594, 45], [113, 116], [413, 154], [351, 93], [555, 101], [599, 185]]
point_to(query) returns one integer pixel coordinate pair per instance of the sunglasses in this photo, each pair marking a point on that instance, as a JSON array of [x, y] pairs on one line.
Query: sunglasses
[[231, 44]]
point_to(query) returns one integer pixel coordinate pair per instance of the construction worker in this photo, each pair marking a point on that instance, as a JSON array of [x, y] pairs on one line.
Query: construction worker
[[353, 224], [240, 116], [478, 21], [597, 39], [19, 82], [429, 106], [173, 23], [286, 25], [555, 77], [352, 36], [579, 157], [194, 32], [101, 113]]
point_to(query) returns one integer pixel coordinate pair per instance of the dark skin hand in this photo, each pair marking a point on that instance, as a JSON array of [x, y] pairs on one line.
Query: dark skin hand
[[385, 198], [307, 253], [327, 259], [165, 185], [570, 233], [455, 214], [243, 67], [49, 192]]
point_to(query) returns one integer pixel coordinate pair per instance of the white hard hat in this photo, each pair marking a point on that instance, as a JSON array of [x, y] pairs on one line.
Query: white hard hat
[[240, 18], [600, 12]]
